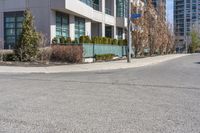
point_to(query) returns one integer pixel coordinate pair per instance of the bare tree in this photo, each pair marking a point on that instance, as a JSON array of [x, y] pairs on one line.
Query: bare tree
[[156, 35], [45, 51]]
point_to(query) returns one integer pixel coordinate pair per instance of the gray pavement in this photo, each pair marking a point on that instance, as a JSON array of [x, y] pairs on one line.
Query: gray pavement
[[111, 65], [161, 98]]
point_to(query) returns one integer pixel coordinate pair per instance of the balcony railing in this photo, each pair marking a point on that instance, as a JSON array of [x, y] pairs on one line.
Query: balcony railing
[[108, 11], [91, 4], [95, 6]]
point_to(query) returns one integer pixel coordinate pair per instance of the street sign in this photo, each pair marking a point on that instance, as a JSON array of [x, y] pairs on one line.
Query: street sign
[[135, 16], [136, 28]]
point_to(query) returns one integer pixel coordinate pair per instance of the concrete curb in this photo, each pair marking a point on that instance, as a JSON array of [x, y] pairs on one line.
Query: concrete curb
[[93, 66]]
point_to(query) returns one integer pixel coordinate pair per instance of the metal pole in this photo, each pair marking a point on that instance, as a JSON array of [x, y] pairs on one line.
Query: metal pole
[[186, 45], [129, 33]]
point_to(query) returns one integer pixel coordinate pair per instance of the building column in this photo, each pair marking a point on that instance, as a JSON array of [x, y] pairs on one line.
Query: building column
[[72, 27], [115, 15], [1, 31], [115, 32], [102, 29], [102, 6], [124, 33], [114, 8], [88, 27], [52, 25]]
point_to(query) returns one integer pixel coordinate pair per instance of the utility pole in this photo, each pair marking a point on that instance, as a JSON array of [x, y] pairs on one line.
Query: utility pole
[[129, 33]]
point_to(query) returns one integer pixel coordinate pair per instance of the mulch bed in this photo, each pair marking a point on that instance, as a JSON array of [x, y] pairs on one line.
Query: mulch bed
[[31, 64]]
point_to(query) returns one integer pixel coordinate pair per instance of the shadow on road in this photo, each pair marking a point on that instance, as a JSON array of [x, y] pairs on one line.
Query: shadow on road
[[197, 63]]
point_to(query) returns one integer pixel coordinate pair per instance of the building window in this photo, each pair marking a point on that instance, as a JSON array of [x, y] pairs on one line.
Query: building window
[[120, 33], [108, 31], [62, 25], [122, 8], [79, 27], [12, 28]]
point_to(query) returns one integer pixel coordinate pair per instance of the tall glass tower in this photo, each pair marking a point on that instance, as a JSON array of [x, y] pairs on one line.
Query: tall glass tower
[[186, 14]]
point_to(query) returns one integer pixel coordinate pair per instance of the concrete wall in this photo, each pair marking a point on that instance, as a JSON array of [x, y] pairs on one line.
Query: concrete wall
[[52, 24], [12, 5], [88, 27], [43, 16]]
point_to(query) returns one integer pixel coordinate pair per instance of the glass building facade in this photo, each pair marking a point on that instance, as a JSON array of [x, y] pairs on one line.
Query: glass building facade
[[186, 14], [12, 28], [79, 27], [122, 8], [62, 25]]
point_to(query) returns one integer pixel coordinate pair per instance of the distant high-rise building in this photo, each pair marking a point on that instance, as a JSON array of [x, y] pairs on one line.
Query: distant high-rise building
[[186, 14]]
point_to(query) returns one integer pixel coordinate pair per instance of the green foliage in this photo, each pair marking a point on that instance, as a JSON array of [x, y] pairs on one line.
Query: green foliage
[[104, 57], [114, 41], [76, 41], [28, 44], [120, 42], [55, 40], [87, 40], [97, 40], [105, 40], [62, 40], [125, 42], [68, 40], [84, 39], [110, 40]]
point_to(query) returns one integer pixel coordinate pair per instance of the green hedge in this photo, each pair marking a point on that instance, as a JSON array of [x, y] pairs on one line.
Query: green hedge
[[87, 40], [104, 57]]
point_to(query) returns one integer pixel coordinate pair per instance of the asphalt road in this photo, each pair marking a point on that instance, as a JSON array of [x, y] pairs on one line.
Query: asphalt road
[[163, 98]]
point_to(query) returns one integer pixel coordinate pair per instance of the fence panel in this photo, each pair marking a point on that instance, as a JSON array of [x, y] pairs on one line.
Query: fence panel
[[90, 50]]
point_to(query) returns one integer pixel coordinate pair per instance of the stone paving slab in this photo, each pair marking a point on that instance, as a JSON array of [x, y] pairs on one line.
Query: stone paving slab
[[113, 65]]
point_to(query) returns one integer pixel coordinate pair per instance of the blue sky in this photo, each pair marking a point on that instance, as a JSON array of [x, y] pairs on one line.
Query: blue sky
[[170, 11]]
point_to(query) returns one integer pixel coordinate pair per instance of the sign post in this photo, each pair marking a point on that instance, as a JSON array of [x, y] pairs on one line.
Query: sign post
[[129, 33]]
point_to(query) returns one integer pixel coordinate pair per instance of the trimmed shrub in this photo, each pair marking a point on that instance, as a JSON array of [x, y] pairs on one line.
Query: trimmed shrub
[[55, 40], [110, 40], [125, 42], [68, 40], [115, 42], [76, 41], [81, 39], [69, 53], [94, 40], [84, 39], [62, 40], [87, 40], [105, 40], [104, 57]]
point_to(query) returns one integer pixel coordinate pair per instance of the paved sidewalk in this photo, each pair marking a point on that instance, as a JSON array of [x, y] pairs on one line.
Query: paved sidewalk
[[92, 66]]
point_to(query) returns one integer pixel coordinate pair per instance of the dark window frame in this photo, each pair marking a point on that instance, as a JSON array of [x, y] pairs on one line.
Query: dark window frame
[[15, 15], [62, 24], [78, 23]]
